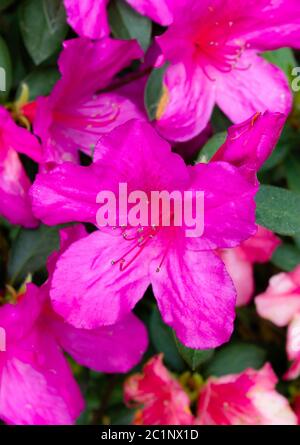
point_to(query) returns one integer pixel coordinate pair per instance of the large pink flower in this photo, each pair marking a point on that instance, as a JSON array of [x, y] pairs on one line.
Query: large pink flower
[[280, 303], [249, 398], [161, 399], [36, 383], [89, 17], [239, 261], [14, 183], [109, 271], [213, 48], [75, 114]]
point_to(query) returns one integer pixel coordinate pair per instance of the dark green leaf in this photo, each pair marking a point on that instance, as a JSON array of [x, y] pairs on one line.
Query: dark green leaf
[[127, 24], [43, 26], [154, 91], [211, 147], [163, 340], [278, 210], [283, 58], [40, 82], [193, 357], [235, 358], [5, 71], [286, 257], [30, 251], [292, 165], [5, 4]]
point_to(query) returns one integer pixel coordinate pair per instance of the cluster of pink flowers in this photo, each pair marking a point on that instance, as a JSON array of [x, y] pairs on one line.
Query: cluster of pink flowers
[[212, 48], [248, 398]]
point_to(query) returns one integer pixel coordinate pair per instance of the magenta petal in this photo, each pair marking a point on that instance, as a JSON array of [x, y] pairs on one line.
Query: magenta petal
[[37, 386], [116, 348], [74, 116], [66, 194], [18, 319], [250, 143], [134, 153], [88, 17], [229, 207], [257, 86], [14, 185], [158, 10], [196, 297], [241, 273], [186, 104], [18, 138], [97, 63], [88, 291]]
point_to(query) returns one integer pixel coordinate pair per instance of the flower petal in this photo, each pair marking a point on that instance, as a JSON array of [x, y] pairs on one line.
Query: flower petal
[[196, 297], [37, 386], [66, 194], [250, 143], [229, 207], [14, 186], [158, 10], [116, 348], [186, 104], [88, 291], [88, 17], [253, 86], [281, 301]]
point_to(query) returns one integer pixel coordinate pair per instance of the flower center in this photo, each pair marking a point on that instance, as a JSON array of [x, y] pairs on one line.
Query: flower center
[[89, 117], [216, 47]]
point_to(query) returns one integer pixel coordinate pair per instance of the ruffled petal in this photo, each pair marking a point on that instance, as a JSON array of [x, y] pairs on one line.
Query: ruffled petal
[[253, 86], [116, 348], [196, 297]]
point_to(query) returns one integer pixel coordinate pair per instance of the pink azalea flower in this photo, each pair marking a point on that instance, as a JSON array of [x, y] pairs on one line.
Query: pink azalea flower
[[89, 17], [75, 114], [163, 400], [14, 183], [100, 278], [36, 383], [213, 47], [280, 303], [239, 261], [249, 398]]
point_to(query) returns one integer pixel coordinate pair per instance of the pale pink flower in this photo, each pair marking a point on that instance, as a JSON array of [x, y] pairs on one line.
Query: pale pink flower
[[280, 303], [248, 398]]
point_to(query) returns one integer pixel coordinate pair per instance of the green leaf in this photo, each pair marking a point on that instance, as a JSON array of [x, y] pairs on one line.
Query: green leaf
[[40, 82], [283, 58], [286, 257], [163, 340], [219, 121], [30, 251], [127, 24], [5, 4], [193, 357], [276, 157], [235, 358], [154, 91], [292, 165], [5, 71], [211, 147], [43, 26], [278, 210]]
